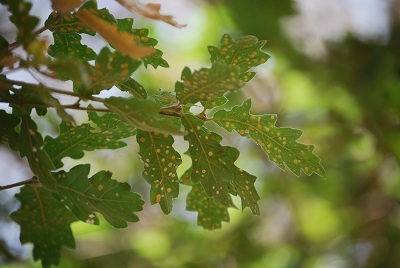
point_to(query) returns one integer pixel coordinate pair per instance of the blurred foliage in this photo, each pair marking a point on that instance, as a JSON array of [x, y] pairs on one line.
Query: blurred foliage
[[348, 106]]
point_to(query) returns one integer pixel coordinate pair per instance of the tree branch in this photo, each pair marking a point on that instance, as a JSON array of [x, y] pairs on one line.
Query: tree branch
[[33, 180]]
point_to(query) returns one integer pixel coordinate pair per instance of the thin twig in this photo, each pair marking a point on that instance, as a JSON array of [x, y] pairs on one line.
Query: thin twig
[[33, 180]]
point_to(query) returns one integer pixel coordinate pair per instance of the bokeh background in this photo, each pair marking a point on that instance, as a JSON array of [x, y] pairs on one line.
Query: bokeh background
[[334, 72]]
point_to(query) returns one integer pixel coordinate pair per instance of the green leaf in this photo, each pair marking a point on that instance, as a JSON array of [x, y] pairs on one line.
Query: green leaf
[[215, 102], [24, 22], [31, 142], [69, 45], [45, 222], [160, 163], [166, 98], [68, 68], [208, 166], [112, 199], [73, 140], [280, 143], [245, 53], [206, 84], [210, 215], [243, 183], [133, 87], [7, 130], [111, 68], [143, 114]]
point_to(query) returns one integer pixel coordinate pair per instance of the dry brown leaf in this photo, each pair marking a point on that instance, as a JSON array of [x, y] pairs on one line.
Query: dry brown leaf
[[122, 41], [151, 11], [8, 61], [63, 6]]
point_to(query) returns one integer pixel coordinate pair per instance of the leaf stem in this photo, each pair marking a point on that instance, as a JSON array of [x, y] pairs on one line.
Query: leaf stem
[[33, 180]]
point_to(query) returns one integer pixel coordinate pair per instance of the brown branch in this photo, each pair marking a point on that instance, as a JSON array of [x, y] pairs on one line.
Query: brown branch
[[33, 180]]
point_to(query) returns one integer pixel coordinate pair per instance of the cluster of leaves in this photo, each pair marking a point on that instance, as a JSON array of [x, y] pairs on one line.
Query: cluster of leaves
[[55, 197]]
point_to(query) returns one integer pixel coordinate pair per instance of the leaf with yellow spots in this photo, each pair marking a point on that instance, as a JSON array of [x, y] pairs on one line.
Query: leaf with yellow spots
[[45, 222], [134, 88], [215, 102], [98, 194], [74, 140], [30, 145], [111, 68], [210, 214], [207, 84], [160, 162], [208, 165], [245, 53], [243, 183], [280, 143], [143, 114]]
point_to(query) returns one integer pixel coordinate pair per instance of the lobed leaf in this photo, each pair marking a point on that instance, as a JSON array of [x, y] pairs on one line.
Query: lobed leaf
[[7, 130], [160, 163], [45, 222], [207, 84], [280, 143], [74, 140], [243, 182], [112, 199], [30, 145], [143, 114], [134, 88], [245, 53], [208, 167], [210, 214], [111, 68], [69, 45]]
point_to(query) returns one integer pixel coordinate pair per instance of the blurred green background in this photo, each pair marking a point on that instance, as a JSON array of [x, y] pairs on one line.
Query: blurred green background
[[335, 74]]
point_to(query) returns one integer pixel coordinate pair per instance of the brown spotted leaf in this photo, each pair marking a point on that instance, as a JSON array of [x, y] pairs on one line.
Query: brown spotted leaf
[[98, 194], [280, 143], [208, 83], [160, 162]]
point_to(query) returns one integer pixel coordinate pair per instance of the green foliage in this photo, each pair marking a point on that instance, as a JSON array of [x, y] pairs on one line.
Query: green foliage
[[58, 198]]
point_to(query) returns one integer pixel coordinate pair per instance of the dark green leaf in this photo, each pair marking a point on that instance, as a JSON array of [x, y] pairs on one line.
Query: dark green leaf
[[45, 222], [31, 142], [7, 130], [73, 140], [143, 114], [210, 215], [280, 143], [208, 167], [69, 45], [160, 163], [206, 84], [112, 199]]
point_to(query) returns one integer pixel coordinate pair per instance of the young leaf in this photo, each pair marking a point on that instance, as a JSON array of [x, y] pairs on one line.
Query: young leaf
[[243, 183], [206, 84], [206, 152], [143, 114], [24, 22], [45, 222], [112, 199], [7, 130], [111, 68], [210, 214], [73, 140], [280, 143], [160, 163], [30, 142], [122, 41], [245, 53]]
